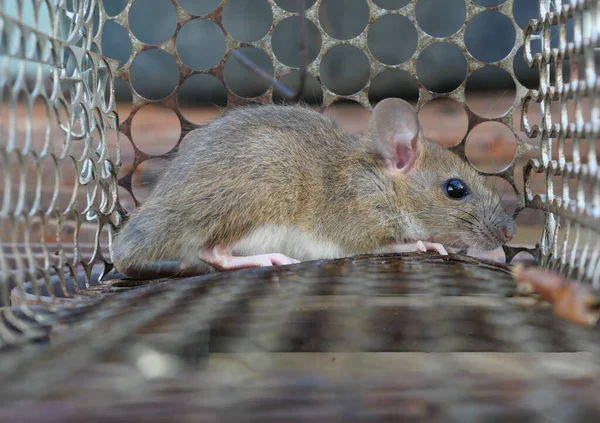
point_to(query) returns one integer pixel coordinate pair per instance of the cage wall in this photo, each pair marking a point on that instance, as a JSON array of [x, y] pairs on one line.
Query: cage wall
[[63, 137], [60, 152]]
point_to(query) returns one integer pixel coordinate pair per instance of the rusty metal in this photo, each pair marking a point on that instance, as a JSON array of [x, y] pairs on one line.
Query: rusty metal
[[60, 174], [313, 69], [371, 335], [222, 345], [576, 259], [303, 40], [570, 242], [23, 259]]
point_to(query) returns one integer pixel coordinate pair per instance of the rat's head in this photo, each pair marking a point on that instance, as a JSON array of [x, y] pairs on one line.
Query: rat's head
[[447, 198]]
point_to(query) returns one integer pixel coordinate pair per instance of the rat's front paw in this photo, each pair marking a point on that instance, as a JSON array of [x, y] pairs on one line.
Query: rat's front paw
[[420, 247]]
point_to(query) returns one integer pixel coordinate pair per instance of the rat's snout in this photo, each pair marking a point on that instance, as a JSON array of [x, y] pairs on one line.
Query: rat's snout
[[505, 235], [506, 232]]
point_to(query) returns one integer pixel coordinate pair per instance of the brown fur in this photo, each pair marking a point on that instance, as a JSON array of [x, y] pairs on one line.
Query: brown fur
[[289, 165]]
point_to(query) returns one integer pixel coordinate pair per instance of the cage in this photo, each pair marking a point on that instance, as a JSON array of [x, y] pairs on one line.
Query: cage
[[380, 337]]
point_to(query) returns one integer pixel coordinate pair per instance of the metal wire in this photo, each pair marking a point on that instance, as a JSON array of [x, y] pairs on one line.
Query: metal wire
[[572, 198], [313, 69], [60, 173], [83, 155], [368, 337]]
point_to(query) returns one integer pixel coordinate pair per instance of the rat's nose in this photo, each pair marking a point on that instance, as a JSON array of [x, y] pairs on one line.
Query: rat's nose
[[505, 234]]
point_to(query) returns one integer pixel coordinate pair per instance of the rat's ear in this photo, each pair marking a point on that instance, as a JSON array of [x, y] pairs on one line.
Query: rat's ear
[[396, 132]]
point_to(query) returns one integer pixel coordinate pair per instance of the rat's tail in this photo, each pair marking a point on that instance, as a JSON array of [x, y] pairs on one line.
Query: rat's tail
[[125, 252], [148, 246], [139, 240]]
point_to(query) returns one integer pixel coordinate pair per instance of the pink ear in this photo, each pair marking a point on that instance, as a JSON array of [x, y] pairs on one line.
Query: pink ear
[[396, 132]]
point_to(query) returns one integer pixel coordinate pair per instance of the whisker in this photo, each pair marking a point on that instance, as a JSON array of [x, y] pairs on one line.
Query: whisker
[[500, 200], [454, 209], [472, 215], [396, 217], [453, 244], [463, 219]]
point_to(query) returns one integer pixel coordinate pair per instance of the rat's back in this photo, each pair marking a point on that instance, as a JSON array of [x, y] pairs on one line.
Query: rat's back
[[267, 133]]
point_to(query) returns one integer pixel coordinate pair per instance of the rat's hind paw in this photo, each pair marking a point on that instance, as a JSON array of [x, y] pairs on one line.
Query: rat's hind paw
[[420, 247], [222, 259]]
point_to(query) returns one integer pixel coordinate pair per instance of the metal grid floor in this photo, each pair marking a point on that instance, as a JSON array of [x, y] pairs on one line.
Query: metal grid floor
[[419, 337]]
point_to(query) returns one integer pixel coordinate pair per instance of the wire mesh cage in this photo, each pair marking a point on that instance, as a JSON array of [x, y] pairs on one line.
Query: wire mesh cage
[[60, 151], [374, 337]]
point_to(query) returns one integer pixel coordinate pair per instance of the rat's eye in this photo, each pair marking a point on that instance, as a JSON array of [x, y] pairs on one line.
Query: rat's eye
[[456, 189]]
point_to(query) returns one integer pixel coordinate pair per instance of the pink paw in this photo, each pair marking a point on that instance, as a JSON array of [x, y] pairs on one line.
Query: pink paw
[[420, 247], [221, 259]]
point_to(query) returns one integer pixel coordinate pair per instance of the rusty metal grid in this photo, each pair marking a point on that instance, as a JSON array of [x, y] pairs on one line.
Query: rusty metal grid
[[223, 345], [373, 337], [568, 159], [60, 171], [313, 69], [76, 65]]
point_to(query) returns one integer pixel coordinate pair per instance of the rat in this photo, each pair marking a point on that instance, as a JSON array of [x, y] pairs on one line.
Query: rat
[[266, 185]]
